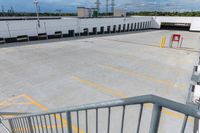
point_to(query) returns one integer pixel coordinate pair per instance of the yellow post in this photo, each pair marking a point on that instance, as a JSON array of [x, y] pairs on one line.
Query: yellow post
[[164, 41], [162, 44]]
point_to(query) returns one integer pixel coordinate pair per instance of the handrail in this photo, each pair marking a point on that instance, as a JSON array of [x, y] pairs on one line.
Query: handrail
[[13, 113], [34, 123], [163, 102]]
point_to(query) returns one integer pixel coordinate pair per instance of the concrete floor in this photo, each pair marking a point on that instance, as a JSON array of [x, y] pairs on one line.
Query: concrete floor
[[53, 75]]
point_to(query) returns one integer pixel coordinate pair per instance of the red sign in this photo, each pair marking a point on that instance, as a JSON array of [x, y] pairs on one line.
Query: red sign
[[176, 38]]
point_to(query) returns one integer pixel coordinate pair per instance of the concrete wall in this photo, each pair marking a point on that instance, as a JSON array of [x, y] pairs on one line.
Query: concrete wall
[[195, 21], [98, 22], [30, 28]]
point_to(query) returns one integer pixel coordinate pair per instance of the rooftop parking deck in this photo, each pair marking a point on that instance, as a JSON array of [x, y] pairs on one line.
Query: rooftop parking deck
[[49, 75]]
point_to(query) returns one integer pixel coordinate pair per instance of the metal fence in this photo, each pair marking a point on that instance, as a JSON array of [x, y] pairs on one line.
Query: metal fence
[[71, 120], [191, 100]]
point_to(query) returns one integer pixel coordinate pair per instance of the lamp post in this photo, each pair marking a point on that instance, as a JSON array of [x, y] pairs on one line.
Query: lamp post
[[36, 2], [155, 8], [107, 7]]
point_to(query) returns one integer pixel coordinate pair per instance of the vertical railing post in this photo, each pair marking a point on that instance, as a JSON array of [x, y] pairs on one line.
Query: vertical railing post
[[155, 118], [11, 126], [196, 125], [30, 124], [140, 118], [184, 124], [69, 122]]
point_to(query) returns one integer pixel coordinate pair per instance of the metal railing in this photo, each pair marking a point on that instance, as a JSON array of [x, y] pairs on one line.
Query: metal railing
[[63, 121], [191, 100]]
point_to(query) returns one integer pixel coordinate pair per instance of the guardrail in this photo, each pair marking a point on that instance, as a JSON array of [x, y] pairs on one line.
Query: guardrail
[[193, 98], [196, 81], [61, 121]]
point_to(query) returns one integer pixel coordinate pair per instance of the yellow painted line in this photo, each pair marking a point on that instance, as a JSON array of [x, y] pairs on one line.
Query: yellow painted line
[[36, 103], [10, 100], [145, 76], [19, 103], [170, 112], [122, 95], [142, 61], [74, 127], [171, 69], [101, 87], [14, 104]]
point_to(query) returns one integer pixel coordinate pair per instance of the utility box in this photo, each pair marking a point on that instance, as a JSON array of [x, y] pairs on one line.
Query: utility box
[[119, 13], [84, 12]]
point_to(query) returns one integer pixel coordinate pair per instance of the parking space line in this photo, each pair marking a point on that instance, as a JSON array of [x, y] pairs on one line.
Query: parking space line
[[170, 112], [74, 127], [10, 99], [35, 103], [101, 87], [12, 102], [145, 76], [122, 95], [151, 65]]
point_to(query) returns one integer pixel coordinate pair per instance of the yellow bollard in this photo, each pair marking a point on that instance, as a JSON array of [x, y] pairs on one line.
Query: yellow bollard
[[162, 44], [164, 41]]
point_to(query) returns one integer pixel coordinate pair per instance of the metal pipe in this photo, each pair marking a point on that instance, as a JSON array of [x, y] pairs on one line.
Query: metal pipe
[[97, 120], [30, 125], [6, 129], [155, 118], [108, 129], [172, 105], [122, 124], [184, 124], [61, 121], [86, 120], [69, 122], [140, 118], [78, 125]]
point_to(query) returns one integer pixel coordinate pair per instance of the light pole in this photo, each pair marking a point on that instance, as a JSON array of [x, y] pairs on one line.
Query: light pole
[[113, 6], [2, 9], [107, 7], [36, 2], [98, 5], [155, 8], [125, 12]]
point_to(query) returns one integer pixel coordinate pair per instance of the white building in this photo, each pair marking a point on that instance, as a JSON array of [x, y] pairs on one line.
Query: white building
[[119, 13], [84, 12]]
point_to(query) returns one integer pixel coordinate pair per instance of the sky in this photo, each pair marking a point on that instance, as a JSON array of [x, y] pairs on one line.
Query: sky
[[129, 5]]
